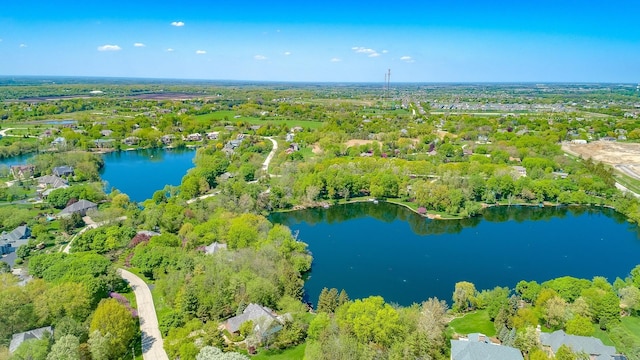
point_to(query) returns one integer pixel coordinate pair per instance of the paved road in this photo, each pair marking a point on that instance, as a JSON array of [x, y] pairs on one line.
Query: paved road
[[152, 344], [267, 161], [90, 225]]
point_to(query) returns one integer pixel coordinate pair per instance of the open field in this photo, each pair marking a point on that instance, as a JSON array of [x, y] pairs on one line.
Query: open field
[[358, 142], [624, 157]]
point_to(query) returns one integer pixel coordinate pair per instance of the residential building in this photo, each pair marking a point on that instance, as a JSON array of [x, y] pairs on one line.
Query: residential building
[[519, 170], [106, 132], [587, 344], [58, 141], [289, 137], [213, 135], [131, 140], [82, 207], [266, 322], [21, 172], [480, 347], [214, 247], [9, 242], [167, 139], [19, 338], [52, 182], [194, 137], [103, 143], [64, 170]]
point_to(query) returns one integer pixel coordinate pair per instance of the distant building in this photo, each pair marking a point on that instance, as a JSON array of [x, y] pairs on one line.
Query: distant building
[[213, 135], [82, 207], [19, 338], [520, 170], [194, 137], [479, 347], [106, 132], [21, 172], [289, 137], [9, 242], [266, 322], [214, 247], [58, 141], [131, 140], [167, 139], [103, 143], [64, 170], [587, 344]]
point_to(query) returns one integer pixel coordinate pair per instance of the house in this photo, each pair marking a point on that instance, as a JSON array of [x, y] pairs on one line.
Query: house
[[58, 141], [520, 170], [19, 338], [131, 140], [64, 170], [479, 347], [266, 322], [214, 247], [594, 347], [21, 172], [289, 137], [255, 127], [52, 181], [106, 132], [9, 242], [229, 127], [194, 137], [167, 139], [213, 135], [81, 207], [240, 136], [234, 143], [296, 129], [103, 143], [559, 175]]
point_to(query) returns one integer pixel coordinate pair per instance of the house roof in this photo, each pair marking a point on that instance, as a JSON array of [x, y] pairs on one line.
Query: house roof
[[590, 345], [471, 350], [81, 205], [260, 315], [19, 233], [53, 181], [215, 246], [62, 170], [19, 338]]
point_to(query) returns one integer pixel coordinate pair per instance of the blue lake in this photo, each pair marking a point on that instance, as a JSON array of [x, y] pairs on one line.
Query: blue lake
[[140, 173], [388, 250]]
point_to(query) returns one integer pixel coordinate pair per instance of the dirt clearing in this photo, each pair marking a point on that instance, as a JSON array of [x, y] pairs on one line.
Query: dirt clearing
[[625, 157]]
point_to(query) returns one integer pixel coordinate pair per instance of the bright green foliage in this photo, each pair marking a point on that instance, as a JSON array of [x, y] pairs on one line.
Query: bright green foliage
[[579, 325], [328, 300], [528, 290], [114, 321], [247, 230], [65, 348], [604, 305], [104, 239], [371, 320], [565, 353], [464, 296], [63, 299], [32, 349], [60, 197], [493, 300], [527, 340], [318, 326], [538, 354], [569, 288]]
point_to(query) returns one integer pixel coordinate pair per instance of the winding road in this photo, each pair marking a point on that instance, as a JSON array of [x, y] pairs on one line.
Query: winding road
[[152, 343]]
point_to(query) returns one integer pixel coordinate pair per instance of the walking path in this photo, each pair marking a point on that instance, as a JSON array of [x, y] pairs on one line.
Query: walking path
[[152, 343], [90, 225]]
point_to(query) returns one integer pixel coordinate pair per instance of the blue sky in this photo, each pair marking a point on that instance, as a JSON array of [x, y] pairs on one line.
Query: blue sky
[[325, 41]]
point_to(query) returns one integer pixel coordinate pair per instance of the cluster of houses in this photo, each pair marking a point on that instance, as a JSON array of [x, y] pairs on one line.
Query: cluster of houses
[[478, 346]]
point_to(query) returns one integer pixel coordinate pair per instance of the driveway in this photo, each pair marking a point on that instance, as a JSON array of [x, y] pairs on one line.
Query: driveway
[[152, 344]]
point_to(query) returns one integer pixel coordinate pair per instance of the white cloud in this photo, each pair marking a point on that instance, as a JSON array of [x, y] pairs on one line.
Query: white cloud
[[109, 48], [385, 51], [287, 53], [170, 50], [375, 54], [335, 59], [201, 52], [408, 59], [139, 45], [23, 45], [260, 57], [363, 50], [177, 24]]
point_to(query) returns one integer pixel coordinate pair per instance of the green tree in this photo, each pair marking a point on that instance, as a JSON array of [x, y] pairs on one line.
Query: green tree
[[65, 348], [464, 296], [114, 321], [565, 353], [579, 325], [213, 353], [32, 349], [328, 300]]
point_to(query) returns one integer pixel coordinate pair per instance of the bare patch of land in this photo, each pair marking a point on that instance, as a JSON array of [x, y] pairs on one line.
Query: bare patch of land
[[625, 157], [358, 142]]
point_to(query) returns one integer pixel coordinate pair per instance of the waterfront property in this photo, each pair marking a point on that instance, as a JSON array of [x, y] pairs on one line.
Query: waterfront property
[[587, 344], [19, 338], [480, 347], [265, 321], [82, 207]]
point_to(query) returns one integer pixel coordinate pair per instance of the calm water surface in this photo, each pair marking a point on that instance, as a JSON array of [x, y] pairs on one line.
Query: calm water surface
[[387, 250], [142, 172]]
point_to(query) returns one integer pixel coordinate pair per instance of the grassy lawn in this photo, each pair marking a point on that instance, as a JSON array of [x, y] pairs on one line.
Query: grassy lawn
[[602, 335], [475, 322], [294, 353]]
